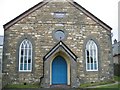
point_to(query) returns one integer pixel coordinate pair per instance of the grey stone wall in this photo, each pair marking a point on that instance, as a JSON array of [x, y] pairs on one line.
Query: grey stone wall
[[39, 26]]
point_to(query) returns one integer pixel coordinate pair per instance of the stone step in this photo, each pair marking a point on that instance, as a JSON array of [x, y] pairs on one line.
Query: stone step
[[59, 86]]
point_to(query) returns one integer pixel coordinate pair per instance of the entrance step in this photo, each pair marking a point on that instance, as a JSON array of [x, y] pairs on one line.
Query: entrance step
[[60, 86]]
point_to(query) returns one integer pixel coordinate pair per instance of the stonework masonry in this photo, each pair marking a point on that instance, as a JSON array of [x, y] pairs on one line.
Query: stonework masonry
[[38, 27]]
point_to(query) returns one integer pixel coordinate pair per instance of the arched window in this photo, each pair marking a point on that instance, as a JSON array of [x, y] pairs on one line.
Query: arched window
[[25, 56], [91, 53]]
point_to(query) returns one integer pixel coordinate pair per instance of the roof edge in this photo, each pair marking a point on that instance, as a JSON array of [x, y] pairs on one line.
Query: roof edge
[[24, 14], [42, 3], [89, 14]]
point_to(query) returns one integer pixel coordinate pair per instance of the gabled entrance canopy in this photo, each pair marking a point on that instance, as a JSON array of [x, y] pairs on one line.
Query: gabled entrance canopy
[[59, 45]]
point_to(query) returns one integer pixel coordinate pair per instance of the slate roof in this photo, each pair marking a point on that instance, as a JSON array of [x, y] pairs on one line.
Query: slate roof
[[44, 2]]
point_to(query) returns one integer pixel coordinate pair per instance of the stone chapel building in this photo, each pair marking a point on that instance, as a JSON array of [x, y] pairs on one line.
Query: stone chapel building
[[57, 43]]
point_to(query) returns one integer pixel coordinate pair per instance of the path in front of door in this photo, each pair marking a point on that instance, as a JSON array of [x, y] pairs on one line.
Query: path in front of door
[[59, 86]]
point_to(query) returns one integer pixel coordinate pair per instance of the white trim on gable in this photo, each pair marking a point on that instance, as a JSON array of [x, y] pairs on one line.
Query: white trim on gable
[[57, 46]]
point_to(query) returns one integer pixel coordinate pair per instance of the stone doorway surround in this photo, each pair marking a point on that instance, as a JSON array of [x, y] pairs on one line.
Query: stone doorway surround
[[62, 50]]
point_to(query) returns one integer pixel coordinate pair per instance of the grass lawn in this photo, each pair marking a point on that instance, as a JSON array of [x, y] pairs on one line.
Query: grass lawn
[[111, 86], [116, 78], [95, 84]]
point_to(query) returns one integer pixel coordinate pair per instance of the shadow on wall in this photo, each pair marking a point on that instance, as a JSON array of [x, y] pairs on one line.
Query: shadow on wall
[[0, 79], [117, 69]]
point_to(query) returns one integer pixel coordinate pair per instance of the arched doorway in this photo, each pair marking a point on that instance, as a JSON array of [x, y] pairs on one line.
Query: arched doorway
[[59, 70]]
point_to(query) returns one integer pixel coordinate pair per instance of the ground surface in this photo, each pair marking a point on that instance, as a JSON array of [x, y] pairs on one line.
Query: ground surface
[[115, 84]]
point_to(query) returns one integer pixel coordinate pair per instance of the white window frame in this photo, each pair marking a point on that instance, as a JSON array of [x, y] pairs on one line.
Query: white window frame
[[92, 48], [28, 48]]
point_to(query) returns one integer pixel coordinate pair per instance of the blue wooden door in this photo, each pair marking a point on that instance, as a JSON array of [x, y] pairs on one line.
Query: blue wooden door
[[59, 71]]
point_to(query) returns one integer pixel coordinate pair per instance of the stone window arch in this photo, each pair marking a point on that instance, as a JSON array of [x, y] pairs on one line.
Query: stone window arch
[[91, 56], [25, 56]]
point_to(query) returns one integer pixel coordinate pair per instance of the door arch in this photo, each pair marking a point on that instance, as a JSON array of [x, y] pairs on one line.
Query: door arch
[[59, 70]]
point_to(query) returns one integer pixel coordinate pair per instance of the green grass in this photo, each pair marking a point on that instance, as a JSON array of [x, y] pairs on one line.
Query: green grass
[[117, 78], [110, 86], [22, 86], [95, 84]]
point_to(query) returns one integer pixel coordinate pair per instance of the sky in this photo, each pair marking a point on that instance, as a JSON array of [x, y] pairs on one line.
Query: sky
[[105, 10]]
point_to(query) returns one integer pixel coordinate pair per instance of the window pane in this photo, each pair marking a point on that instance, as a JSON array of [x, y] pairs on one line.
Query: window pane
[[87, 53], [88, 66], [25, 66], [94, 47], [29, 60], [22, 46], [59, 35], [88, 60], [21, 59], [91, 59], [94, 61], [25, 59], [26, 45], [21, 51], [29, 52], [95, 66], [91, 52], [26, 52], [30, 45], [29, 66], [21, 66], [91, 66]]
